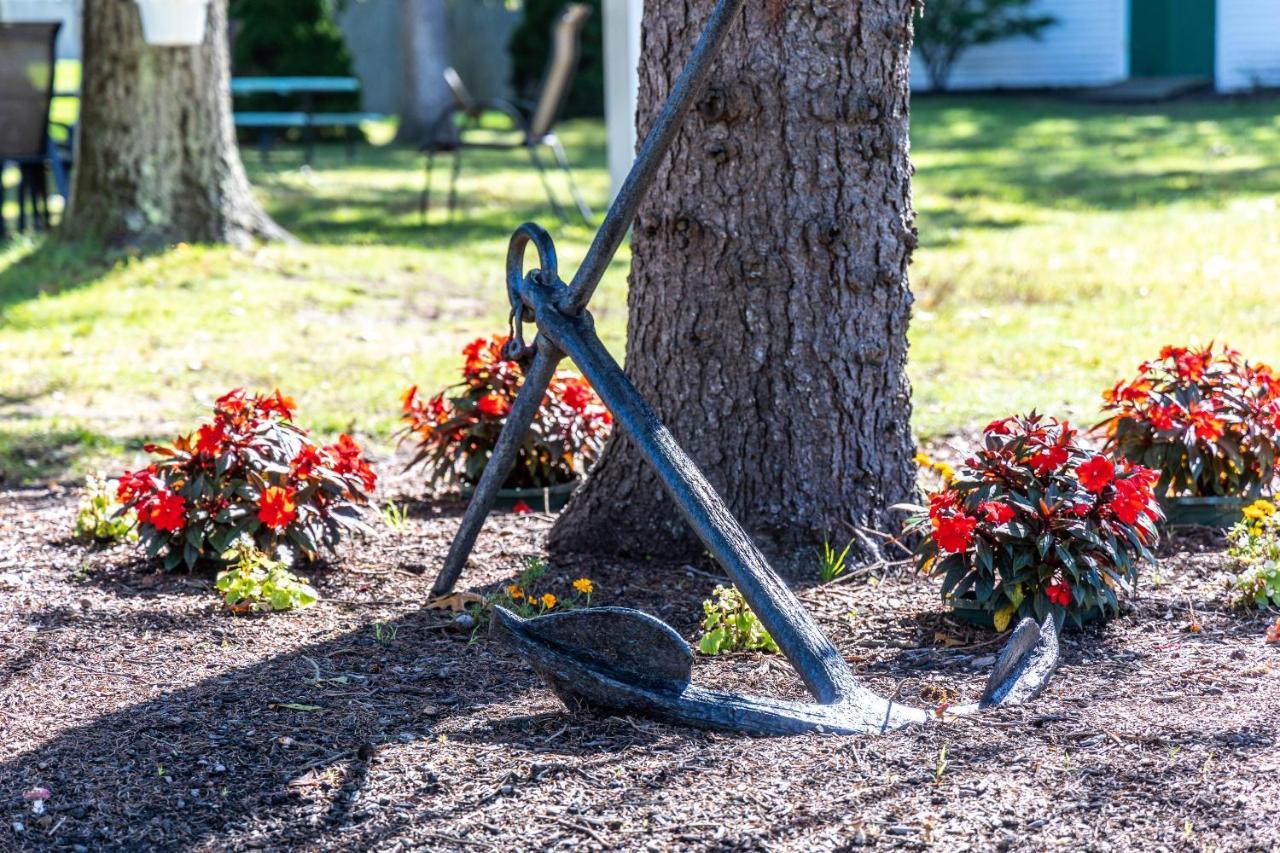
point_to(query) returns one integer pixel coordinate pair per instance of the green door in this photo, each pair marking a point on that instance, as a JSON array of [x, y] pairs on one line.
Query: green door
[[1171, 38]]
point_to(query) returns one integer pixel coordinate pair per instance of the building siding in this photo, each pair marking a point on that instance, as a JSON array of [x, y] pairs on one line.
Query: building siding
[[1248, 44], [1088, 46]]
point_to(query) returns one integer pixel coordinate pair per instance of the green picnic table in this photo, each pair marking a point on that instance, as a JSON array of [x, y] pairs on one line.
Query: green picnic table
[[303, 90]]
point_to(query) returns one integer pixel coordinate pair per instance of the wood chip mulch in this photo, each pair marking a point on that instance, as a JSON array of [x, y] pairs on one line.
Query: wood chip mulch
[[154, 720]]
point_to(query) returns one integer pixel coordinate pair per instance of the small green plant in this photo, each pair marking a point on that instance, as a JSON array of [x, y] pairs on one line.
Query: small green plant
[[730, 626], [256, 583], [831, 563], [100, 516], [395, 515], [385, 632], [1254, 550], [940, 766]]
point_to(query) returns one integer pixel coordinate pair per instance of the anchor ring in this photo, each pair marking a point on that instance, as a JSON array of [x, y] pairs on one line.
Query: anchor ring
[[547, 273]]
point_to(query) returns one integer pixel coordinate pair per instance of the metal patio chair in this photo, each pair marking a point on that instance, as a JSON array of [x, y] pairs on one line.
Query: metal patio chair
[[27, 59], [455, 130]]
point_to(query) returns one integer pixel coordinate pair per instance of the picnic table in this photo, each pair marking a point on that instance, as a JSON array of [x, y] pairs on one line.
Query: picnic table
[[303, 90]]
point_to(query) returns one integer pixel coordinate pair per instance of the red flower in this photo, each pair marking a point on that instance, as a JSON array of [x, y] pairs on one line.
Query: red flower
[[275, 507], [210, 438], [493, 405], [350, 460], [1132, 499], [577, 395], [165, 511], [1207, 425], [1000, 426], [1059, 593], [1048, 459], [277, 402], [306, 462], [1096, 473], [407, 400], [996, 512], [521, 508], [230, 403], [954, 534], [136, 485], [941, 502]]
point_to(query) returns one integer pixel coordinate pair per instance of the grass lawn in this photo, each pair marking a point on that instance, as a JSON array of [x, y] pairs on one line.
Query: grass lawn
[[1061, 243]]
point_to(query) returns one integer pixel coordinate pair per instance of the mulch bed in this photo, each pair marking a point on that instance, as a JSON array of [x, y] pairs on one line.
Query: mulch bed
[[159, 721]]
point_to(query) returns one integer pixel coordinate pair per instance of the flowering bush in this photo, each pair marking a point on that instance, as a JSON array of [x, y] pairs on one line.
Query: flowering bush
[[1033, 523], [1206, 418], [248, 472], [1254, 550], [457, 429]]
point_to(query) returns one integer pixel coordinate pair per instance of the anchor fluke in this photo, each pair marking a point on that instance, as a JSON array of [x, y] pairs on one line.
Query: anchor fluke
[[1024, 666]]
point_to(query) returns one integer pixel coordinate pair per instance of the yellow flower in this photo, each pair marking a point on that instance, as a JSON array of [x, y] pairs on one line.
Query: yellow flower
[[548, 600], [514, 592], [948, 473], [923, 460], [1260, 509], [584, 586]]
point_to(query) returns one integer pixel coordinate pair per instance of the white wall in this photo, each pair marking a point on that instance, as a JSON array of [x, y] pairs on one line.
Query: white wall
[[621, 80], [1088, 46], [1248, 44]]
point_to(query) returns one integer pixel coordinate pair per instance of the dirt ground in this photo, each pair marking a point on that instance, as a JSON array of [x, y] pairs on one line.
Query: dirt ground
[[156, 720]]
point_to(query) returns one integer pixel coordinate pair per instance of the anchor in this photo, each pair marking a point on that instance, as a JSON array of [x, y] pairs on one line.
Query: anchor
[[621, 660]]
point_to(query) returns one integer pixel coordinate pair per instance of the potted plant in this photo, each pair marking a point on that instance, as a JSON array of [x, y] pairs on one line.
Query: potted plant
[[1209, 421], [173, 23], [456, 430], [1034, 524], [250, 472]]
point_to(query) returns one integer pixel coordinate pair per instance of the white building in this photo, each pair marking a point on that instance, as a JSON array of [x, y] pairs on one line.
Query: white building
[[1234, 44]]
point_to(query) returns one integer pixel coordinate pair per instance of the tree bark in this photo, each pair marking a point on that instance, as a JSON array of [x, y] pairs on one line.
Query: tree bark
[[156, 154], [768, 302], [425, 30]]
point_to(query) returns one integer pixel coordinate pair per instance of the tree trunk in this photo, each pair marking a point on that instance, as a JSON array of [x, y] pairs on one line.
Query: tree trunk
[[156, 159], [425, 30], [768, 302]]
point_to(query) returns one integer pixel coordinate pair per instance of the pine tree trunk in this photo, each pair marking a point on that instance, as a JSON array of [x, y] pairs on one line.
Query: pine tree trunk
[[769, 303], [156, 157], [424, 29]]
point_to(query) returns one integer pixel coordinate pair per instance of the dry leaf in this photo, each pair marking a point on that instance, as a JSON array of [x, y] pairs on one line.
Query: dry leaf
[[455, 601]]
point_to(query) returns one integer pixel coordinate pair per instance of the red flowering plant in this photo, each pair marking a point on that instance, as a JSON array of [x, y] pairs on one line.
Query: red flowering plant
[[1033, 523], [1206, 419], [456, 429], [249, 472]]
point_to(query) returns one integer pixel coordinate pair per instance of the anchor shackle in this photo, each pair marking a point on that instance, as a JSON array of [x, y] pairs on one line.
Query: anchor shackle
[[547, 274]]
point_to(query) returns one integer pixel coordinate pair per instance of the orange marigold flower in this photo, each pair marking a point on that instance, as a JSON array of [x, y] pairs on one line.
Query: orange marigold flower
[[275, 507], [1096, 473], [548, 600], [584, 586], [514, 592]]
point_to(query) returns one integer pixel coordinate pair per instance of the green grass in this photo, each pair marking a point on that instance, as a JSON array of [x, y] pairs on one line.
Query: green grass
[[1061, 243]]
